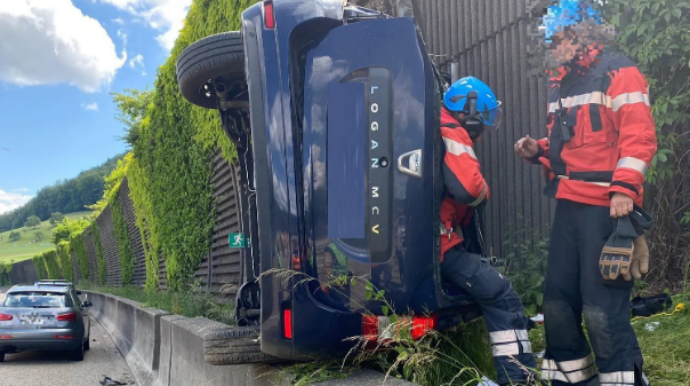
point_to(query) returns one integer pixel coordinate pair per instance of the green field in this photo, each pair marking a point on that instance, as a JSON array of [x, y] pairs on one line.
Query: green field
[[25, 248]]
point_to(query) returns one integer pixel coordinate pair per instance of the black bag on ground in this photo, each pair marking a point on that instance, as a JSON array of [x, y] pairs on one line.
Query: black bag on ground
[[650, 305]]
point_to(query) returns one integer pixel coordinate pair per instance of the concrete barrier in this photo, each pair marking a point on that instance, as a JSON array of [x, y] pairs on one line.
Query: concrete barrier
[[168, 350]]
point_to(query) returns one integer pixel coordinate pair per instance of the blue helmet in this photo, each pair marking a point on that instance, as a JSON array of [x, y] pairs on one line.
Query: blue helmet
[[488, 106], [566, 13]]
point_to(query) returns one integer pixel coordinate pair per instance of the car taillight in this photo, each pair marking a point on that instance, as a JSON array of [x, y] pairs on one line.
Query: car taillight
[[4, 318], [423, 324], [5, 337], [63, 337], [287, 323], [71, 317], [380, 327], [370, 327], [269, 18]]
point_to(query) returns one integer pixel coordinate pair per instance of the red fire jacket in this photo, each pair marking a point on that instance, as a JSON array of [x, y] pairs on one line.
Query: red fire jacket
[[465, 185], [601, 131]]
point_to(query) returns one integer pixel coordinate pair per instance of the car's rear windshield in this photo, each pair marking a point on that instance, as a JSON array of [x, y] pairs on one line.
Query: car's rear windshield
[[37, 299]]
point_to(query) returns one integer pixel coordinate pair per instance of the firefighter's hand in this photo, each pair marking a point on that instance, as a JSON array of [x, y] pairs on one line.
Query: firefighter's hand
[[621, 205], [526, 147]]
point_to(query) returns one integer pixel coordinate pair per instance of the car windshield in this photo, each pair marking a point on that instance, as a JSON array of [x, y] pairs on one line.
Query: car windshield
[[36, 299]]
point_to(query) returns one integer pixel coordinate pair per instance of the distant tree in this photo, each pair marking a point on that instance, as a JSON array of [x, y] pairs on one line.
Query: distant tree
[[39, 236], [133, 105], [32, 222], [56, 217], [64, 196], [15, 236], [67, 228]]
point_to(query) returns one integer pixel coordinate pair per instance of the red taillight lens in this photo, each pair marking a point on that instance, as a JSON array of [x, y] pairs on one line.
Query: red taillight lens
[[370, 327], [5, 337], [287, 324], [71, 317], [63, 337], [423, 324], [269, 19], [4, 318]]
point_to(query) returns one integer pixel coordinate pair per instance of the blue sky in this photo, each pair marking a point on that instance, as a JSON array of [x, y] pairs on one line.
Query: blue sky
[[59, 62]]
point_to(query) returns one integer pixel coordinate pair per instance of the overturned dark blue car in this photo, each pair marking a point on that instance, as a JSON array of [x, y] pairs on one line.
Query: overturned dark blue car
[[334, 111]]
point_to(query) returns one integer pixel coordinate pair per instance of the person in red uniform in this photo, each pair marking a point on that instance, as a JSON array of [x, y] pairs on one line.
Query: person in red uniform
[[601, 139], [469, 106]]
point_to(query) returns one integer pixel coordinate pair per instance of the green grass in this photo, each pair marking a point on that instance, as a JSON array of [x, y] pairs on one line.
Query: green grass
[[25, 248], [190, 303], [666, 350]]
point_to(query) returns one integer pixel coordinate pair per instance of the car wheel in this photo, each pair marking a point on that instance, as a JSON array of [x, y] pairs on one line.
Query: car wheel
[[234, 346], [2, 356], [87, 344], [204, 61], [78, 353]]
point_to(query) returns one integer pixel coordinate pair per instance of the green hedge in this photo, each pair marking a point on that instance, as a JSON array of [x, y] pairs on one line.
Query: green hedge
[[100, 256], [40, 266], [123, 245], [53, 268], [170, 172], [78, 247], [65, 260], [5, 269]]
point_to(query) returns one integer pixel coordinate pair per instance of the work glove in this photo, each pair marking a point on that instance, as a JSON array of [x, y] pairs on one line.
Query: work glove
[[626, 253], [640, 259], [617, 255]]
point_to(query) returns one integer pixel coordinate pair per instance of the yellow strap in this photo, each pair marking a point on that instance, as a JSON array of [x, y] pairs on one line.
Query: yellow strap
[[679, 307]]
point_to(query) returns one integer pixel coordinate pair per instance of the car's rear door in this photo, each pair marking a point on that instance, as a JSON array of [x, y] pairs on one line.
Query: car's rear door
[[370, 176]]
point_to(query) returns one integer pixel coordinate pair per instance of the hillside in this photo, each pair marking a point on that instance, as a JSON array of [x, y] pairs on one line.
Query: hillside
[[25, 248], [66, 196]]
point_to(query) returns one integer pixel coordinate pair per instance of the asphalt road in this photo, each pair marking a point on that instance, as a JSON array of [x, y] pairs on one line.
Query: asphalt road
[[53, 369]]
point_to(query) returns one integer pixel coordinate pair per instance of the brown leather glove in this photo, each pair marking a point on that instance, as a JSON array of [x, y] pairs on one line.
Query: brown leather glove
[[640, 259], [626, 253], [616, 262]]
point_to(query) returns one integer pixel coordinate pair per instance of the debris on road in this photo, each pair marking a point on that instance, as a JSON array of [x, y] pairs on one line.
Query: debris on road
[[107, 381]]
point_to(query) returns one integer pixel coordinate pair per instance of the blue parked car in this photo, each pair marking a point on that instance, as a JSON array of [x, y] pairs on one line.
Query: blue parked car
[[334, 111]]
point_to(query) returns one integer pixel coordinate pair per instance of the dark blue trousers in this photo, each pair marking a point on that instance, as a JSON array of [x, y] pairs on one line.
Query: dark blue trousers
[[502, 311], [575, 287]]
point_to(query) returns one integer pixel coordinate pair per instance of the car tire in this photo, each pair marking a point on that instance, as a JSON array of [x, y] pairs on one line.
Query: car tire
[[87, 344], [233, 346], [78, 353], [205, 60], [2, 356]]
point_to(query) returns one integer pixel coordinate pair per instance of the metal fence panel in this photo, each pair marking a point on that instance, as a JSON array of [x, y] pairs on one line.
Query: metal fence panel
[[225, 262], [135, 241], [113, 275], [91, 253]]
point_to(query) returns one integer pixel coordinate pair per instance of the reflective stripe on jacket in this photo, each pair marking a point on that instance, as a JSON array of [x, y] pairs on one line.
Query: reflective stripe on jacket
[[465, 185], [601, 132]]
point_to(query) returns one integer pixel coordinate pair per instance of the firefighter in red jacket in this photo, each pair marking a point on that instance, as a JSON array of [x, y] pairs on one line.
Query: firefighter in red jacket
[[473, 103], [601, 141]]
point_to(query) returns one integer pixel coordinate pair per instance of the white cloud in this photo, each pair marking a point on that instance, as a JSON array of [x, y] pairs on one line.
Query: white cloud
[[10, 201], [51, 42], [90, 106], [164, 15], [118, 21], [138, 61]]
